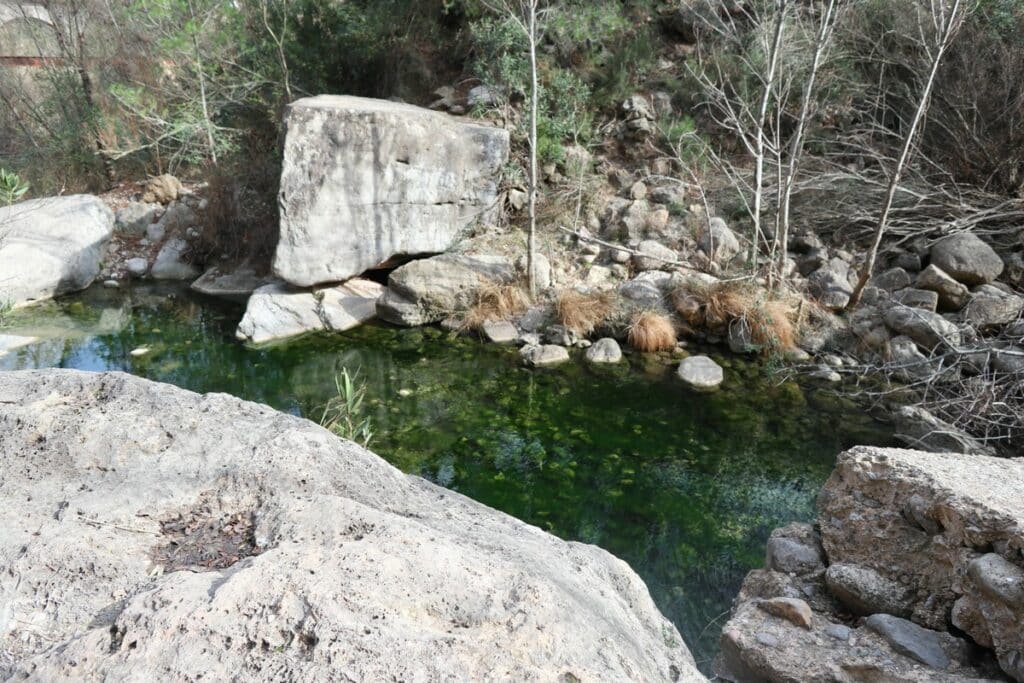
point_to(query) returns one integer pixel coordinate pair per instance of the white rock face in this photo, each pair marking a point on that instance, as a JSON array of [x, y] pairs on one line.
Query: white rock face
[[366, 180], [277, 311], [299, 556], [51, 246]]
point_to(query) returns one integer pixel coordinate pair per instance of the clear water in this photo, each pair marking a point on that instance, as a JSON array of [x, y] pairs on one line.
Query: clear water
[[684, 487]]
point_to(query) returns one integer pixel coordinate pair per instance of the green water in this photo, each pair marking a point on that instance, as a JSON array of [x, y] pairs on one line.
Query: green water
[[684, 487]]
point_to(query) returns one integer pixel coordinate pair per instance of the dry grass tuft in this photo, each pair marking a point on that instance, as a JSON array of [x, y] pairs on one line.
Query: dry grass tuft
[[771, 321], [496, 302], [583, 313], [651, 332]]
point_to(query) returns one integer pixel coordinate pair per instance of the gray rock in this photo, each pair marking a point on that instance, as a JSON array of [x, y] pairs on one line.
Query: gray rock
[[176, 220], [482, 96], [541, 270], [891, 280], [718, 241], [1008, 360], [322, 561], [909, 262], [908, 363], [864, 591], [918, 428], [653, 256], [999, 579], [277, 311], [839, 632], [830, 284], [604, 350], [52, 246], [429, 290], [171, 264], [646, 290], [794, 549], [137, 267], [234, 283], [134, 218], [812, 261], [924, 299], [367, 180], [967, 259], [500, 332], [952, 294], [991, 308], [535, 318], [927, 329], [701, 373], [544, 356], [911, 640]]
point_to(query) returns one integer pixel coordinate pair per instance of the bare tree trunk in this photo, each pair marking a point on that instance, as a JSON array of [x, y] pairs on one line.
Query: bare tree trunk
[[946, 22], [826, 29], [279, 42], [762, 116], [531, 240]]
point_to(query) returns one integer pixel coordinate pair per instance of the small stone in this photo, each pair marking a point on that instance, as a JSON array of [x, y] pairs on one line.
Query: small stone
[[967, 259], [952, 294], [141, 351], [701, 373], [999, 579], [767, 639], [605, 350], [638, 190], [864, 591], [892, 279], [794, 610], [790, 556], [907, 638], [917, 298], [136, 267], [839, 632], [500, 332], [111, 284], [545, 356]]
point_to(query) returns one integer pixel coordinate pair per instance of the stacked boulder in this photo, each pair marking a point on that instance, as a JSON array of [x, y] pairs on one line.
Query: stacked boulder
[[914, 573]]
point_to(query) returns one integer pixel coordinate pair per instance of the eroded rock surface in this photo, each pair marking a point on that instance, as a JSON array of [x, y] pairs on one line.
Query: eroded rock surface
[[51, 246], [367, 180], [149, 533]]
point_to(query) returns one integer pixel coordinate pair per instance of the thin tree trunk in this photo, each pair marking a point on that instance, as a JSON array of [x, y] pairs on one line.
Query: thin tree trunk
[[947, 30], [202, 87], [531, 247], [825, 31], [773, 61]]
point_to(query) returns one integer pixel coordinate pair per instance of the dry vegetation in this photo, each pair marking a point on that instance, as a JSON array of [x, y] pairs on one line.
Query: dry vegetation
[[771, 320], [583, 312], [650, 332], [496, 302]]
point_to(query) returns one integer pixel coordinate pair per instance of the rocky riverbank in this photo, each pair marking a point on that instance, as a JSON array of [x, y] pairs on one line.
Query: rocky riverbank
[[154, 533], [914, 572]]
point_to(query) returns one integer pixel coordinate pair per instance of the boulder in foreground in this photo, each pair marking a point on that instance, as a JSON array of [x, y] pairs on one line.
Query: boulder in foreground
[[149, 533], [52, 246], [365, 181]]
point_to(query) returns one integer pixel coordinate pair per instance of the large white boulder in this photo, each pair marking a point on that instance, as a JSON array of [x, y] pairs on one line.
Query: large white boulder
[[148, 533], [367, 180], [277, 311], [51, 246]]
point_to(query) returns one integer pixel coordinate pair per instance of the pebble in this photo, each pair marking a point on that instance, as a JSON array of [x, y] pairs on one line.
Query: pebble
[[111, 284], [141, 351]]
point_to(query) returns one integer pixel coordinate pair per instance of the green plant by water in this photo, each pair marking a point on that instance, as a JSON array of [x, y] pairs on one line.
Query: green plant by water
[[344, 414], [12, 187]]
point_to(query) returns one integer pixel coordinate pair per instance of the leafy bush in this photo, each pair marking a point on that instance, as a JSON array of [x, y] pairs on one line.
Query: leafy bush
[[12, 187], [344, 413]]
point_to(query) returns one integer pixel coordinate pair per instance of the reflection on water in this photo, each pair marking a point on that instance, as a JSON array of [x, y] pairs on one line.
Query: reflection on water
[[684, 487]]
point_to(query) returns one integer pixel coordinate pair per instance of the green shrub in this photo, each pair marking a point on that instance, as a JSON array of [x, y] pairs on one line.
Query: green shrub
[[344, 414], [12, 187]]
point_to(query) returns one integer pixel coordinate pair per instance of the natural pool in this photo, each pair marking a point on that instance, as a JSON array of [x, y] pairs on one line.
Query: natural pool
[[684, 487]]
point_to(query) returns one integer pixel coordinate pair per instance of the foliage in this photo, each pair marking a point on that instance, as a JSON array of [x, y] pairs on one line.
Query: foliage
[[12, 187], [344, 414]]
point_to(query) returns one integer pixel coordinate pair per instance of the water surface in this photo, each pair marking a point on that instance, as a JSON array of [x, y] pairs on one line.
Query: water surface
[[682, 486]]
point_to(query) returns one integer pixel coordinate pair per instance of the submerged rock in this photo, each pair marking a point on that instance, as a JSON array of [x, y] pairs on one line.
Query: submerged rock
[[277, 311], [701, 373], [149, 533], [545, 355], [51, 246], [236, 283], [604, 350], [367, 180], [171, 262]]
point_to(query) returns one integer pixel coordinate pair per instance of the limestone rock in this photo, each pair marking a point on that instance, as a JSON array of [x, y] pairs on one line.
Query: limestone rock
[[544, 356], [429, 290], [233, 283], [365, 181], [137, 267], [500, 332], [604, 350], [653, 255], [864, 591], [927, 329], [830, 284], [967, 259], [162, 189], [990, 308], [952, 294], [718, 241], [918, 428], [913, 297], [134, 218], [149, 533], [171, 264], [277, 311], [51, 246], [928, 518], [891, 280], [795, 549], [907, 638], [701, 373]]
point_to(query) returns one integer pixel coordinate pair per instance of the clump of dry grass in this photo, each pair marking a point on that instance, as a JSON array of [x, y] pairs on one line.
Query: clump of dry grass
[[651, 331], [583, 313], [770, 320], [495, 302]]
